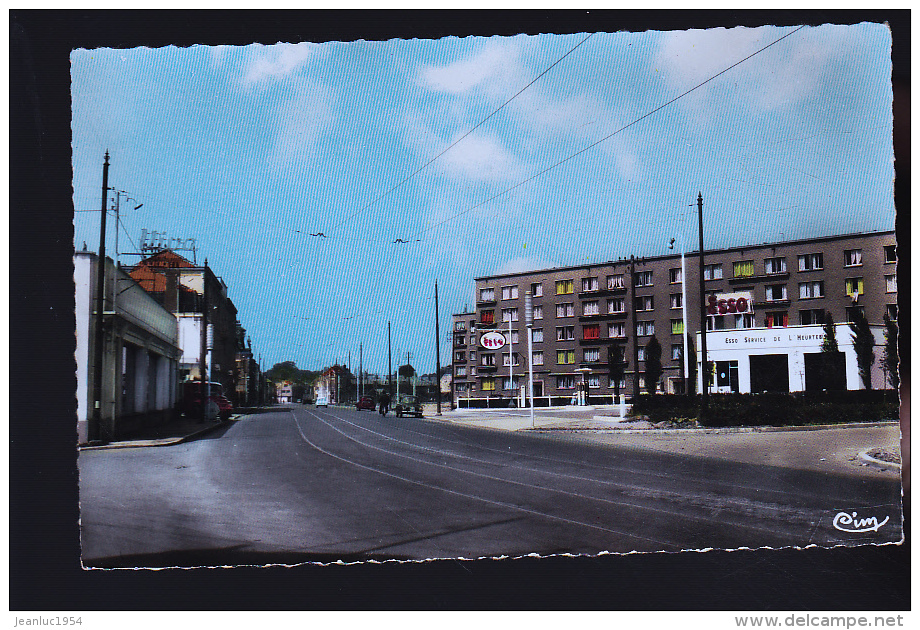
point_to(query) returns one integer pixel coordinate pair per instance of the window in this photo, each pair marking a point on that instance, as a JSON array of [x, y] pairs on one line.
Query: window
[[594, 381], [774, 265], [486, 295], [565, 357], [564, 287], [459, 340], [488, 360], [506, 358], [567, 381], [536, 289], [854, 285], [509, 383], [641, 354], [743, 268], [645, 303], [677, 326], [810, 262], [589, 284], [488, 384], [565, 333], [811, 289], [615, 282], [852, 311], [621, 384], [592, 331], [590, 308], [676, 275], [715, 323], [473, 358], [515, 337], [460, 326], [776, 318], [643, 279], [677, 300], [809, 317], [677, 352], [617, 329], [460, 370], [459, 357], [645, 328], [538, 358], [892, 311], [743, 320], [891, 253], [891, 284], [509, 293], [488, 317], [509, 314], [616, 305], [538, 335], [592, 355], [775, 292], [566, 309], [538, 312], [852, 258]]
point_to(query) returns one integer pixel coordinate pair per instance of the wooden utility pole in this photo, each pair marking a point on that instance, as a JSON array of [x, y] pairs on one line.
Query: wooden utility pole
[[704, 363], [95, 429], [437, 348], [389, 361]]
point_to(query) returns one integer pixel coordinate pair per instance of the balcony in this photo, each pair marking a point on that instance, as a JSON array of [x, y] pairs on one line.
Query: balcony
[[772, 304], [488, 368], [593, 340], [784, 275]]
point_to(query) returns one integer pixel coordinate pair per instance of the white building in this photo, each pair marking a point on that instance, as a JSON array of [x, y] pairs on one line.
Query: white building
[[140, 354], [782, 359]]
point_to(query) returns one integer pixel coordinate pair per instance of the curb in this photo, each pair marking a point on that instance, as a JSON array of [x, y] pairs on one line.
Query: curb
[[157, 442], [717, 430], [864, 455]]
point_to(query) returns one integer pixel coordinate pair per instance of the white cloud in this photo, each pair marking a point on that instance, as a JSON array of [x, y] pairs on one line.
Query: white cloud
[[520, 265], [303, 120], [481, 157], [497, 62], [277, 62]]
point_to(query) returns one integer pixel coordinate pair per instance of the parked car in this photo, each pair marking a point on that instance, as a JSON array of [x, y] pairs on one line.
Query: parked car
[[408, 406], [192, 399], [366, 402], [322, 401]]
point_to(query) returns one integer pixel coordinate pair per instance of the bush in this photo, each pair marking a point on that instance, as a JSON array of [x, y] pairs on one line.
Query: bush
[[798, 409]]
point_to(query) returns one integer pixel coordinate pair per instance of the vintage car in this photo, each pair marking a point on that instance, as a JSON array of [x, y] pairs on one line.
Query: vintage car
[[408, 406], [366, 402]]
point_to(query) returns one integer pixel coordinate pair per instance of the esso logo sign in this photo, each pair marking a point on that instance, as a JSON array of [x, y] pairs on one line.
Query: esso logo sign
[[731, 303], [492, 340]]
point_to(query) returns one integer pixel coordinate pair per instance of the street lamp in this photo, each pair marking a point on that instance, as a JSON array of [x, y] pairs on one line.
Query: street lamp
[[683, 303], [528, 317]]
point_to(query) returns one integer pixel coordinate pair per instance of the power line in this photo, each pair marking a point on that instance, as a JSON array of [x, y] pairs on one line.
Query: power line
[[458, 140], [607, 137]]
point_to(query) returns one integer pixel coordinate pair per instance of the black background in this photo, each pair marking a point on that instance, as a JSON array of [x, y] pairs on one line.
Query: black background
[[45, 570]]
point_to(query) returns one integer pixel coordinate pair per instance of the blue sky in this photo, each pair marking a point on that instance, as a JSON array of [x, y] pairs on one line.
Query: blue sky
[[252, 149]]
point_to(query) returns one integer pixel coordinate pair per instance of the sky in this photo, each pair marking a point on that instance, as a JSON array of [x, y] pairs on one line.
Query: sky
[[486, 155]]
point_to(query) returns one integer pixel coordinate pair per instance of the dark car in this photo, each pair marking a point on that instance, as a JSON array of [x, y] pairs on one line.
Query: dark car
[[192, 395], [408, 406], [366, 402]]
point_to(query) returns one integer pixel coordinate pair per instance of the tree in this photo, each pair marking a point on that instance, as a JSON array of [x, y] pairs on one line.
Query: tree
[[691, 362], [864, 344], [616, 366], [832, 371], [653, 369], [830, 334], [891, 352], [405, 372]]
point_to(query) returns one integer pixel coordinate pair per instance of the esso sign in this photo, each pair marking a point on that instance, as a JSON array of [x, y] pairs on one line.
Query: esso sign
[[729, 303], [492, 340]]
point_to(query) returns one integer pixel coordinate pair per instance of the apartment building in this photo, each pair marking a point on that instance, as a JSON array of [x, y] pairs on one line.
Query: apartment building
[[582, 314]]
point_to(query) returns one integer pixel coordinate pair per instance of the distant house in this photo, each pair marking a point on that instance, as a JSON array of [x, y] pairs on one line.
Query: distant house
[[284, 392], [331, 385]]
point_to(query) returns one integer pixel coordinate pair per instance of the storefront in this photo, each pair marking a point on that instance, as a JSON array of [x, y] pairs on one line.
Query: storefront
[[788, 359]]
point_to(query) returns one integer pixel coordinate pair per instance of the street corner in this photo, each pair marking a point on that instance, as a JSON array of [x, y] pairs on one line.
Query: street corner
[[880, 458]]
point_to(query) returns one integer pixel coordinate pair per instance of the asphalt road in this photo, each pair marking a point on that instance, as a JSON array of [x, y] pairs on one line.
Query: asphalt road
[[306, 485]]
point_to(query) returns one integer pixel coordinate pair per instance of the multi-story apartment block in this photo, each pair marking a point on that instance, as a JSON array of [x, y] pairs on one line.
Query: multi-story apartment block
[[767, 302]]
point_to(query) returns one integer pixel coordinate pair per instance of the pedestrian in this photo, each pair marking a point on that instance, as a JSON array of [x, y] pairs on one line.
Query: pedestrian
[[384, 403]]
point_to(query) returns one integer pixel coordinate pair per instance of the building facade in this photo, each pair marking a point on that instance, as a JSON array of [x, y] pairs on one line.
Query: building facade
[[583, 316], [198, 298], [139, 359]]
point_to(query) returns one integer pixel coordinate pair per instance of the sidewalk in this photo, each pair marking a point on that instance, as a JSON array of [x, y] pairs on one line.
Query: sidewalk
[[182, 430]]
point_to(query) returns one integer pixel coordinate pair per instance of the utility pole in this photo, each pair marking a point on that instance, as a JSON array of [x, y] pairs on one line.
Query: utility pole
[[528, 319], [95, 429], [437, 348], [704, 363], [203, 367], [389, 361], [360, 369]]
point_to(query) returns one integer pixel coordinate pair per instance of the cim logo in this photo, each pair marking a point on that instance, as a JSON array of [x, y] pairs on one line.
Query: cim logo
[[492, 340], [853, 524]]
